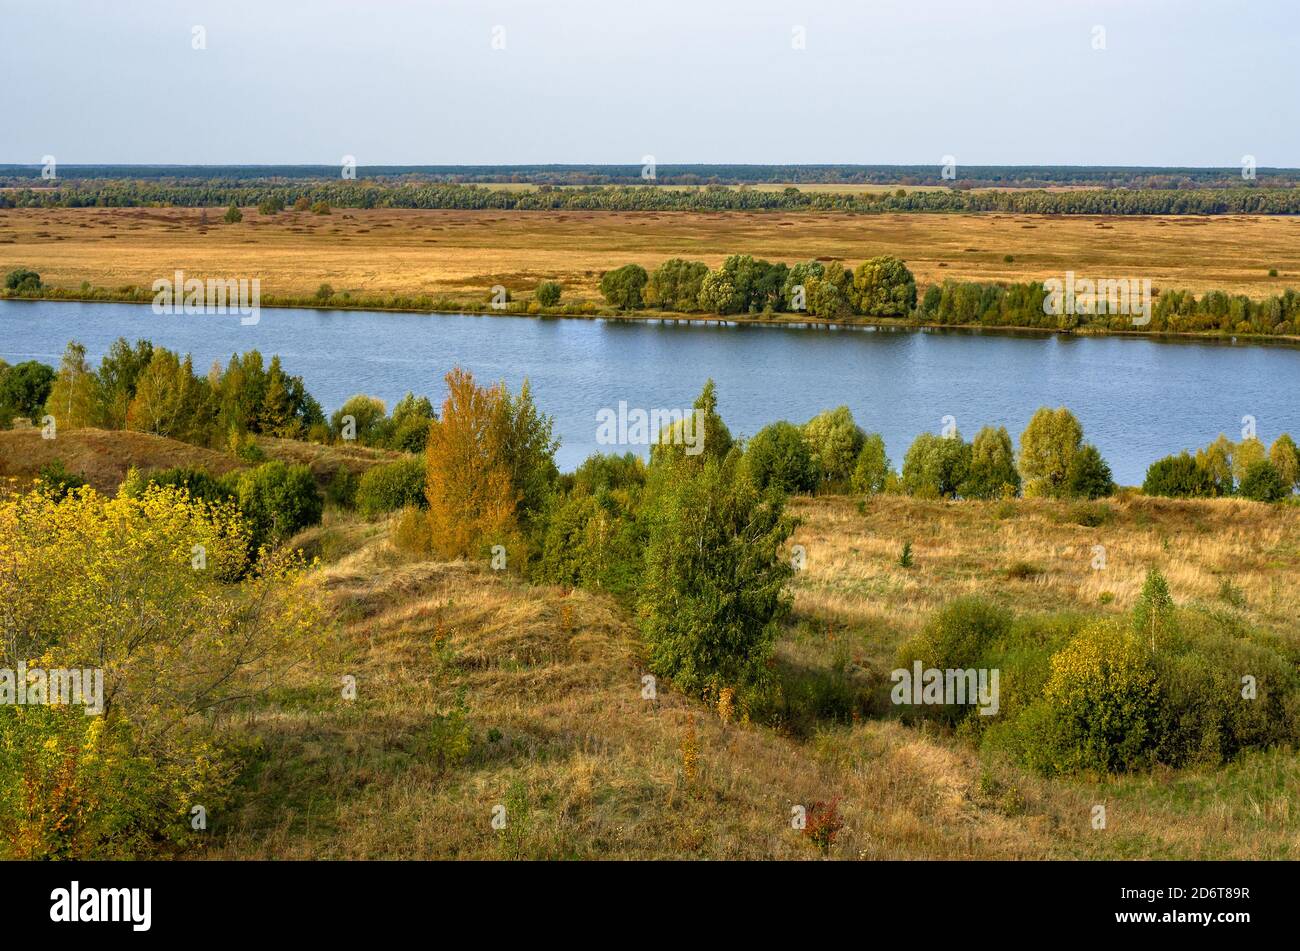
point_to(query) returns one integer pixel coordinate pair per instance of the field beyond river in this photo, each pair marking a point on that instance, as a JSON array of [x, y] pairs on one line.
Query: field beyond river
[[465, 253]]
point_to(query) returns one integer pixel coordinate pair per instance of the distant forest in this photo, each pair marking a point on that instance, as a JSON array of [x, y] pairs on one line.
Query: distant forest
[[362, 193], [967, 176]]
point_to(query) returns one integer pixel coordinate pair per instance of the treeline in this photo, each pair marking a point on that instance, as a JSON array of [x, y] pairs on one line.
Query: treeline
[[154, 390], [111, 193], [885, 287], [1007, 176], [1224, 468]]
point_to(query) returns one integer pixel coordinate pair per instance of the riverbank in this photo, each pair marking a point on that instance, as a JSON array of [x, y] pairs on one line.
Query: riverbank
[[591, 311]]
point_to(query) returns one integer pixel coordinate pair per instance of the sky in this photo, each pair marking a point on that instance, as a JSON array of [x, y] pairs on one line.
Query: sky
[[1025, 82]]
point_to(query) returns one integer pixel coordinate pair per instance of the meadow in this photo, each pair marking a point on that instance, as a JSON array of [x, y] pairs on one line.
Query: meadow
[[464, 253]]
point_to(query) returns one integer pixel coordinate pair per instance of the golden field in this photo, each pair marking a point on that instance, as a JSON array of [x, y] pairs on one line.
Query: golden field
[[464, 253]]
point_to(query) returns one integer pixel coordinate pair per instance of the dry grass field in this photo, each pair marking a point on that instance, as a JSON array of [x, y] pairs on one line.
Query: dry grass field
[[552, 724], [463, 253]]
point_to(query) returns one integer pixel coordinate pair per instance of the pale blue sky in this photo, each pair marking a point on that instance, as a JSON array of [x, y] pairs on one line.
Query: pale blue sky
[[1181, 82]]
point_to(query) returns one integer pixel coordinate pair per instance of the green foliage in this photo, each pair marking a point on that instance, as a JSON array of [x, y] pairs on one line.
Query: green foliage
[[992, 473], [548, 293], [675, 284], [1286, 459], [1177, 477], [270, 206], [884, 287], [778, 456], [22, 280], [622, 286], [277, 501], [388, 487], [835, 442], [936, 466], [1263, 483], [714, 587], [1153, 615], [1047, 447], [593, 541], [233, 215], [1088, 476], [369, 420], [24, 388], [198, 483], [871, 473], [714, 441], [528, 449]]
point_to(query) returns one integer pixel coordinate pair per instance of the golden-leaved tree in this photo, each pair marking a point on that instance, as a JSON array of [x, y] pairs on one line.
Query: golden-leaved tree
[[468, 484]]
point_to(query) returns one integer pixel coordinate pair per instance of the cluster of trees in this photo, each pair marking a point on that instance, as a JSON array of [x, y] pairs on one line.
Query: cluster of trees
[[151, 389], [154, 390], [832, 453], [882, 286], [405, 194], [1021, 305], [1223, 467]]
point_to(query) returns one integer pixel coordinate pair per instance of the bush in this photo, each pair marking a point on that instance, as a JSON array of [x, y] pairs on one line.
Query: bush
[[270, 206], [778, 456], [277, 501], [1178, 477], [958, 635], [1100, 709], [320, 208], [392, 486], [1263, 483], [197, 482], [992, 473], [548, 293], [56, 481], [22, 280], [233, 215], [593, 541]]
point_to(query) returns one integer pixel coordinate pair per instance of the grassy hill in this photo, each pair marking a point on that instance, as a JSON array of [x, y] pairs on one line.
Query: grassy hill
[[475, 690]]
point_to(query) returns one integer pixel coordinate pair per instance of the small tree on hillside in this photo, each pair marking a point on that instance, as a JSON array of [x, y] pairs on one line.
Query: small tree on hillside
[[1047, 447]]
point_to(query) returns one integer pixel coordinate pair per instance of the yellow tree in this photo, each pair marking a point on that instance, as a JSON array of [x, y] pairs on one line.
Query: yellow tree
[[468, 484]]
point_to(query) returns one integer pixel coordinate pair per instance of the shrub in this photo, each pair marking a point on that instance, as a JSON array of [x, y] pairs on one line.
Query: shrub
[[389, 487], [233, 215], [1178, 476], [56, 481], [1100, 709], [778, 456], [1263, 483], [548, 293], [341, 491], [277, 501], [410, 533], [593, 541], [270, 206], [958, 635], [320, 208], [22, 280], [197, 482], [324, 292]]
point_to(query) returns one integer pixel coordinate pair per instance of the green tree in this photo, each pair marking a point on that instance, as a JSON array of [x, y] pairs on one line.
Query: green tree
[[1216, 460], [1153, 615], [24, 389], [871, 472], [1263, 483], [1089, 476], [528, 446], [835, 442], [778, 456], [1179, 476], [1047, 447], [1244, 455], [936, 466], [992, 471], [119, 370], [675, 285], [233, 215], [884, 287], [369, 416], [1286, 459], [715, 440], [277, 501], [22, 281], [622, 286], [714, 589]]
